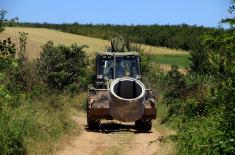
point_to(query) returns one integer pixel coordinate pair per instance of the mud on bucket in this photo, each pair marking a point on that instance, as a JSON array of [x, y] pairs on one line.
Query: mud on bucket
[[127, 99]]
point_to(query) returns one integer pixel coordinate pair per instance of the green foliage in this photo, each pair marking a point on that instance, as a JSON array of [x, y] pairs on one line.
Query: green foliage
[[22, 44], [230, 21], [34, 125], [199, 59], [186, 94], [2, 20], [7, 54], [221, 53], [31, 118], [7, 49], [64, 67], [172, 36], [201, 136], [7, 62], [202, 107], [23, 77], [201, 103], [12, 131], [145, 63]]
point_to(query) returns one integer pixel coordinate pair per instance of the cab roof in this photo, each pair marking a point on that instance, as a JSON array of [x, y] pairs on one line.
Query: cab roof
[[117, 53]]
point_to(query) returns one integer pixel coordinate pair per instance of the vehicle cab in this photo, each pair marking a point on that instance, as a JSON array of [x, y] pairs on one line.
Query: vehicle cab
[[112, 65]]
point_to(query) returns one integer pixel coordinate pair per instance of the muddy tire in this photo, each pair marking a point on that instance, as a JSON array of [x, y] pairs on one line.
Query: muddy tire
[[143, 125], [92, 123]]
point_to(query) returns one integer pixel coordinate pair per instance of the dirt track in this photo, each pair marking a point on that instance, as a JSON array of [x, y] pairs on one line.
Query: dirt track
[[114, 138]]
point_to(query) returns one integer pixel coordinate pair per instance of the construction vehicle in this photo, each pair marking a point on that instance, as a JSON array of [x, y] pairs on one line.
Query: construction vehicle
[[118, 92]]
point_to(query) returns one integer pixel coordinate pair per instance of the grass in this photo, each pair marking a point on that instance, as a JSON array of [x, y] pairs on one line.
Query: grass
[[39, 36], [179, 60], [168, 147], [34, 127], [79, 102], [165, 130]]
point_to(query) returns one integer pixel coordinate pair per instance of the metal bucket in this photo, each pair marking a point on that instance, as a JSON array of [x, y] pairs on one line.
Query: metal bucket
[[127, 97]]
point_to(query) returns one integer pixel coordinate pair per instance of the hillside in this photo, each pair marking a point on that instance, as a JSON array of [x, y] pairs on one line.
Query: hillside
[[180, 36], [39, 36]]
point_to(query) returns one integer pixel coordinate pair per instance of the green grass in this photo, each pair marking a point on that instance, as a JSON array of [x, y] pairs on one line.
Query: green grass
[[167, 146], [179, 60], [35, 126]]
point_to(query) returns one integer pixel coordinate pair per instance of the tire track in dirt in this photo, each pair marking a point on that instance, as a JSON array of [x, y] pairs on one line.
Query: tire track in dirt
[[114, 138], [86, 143], [145, 143]]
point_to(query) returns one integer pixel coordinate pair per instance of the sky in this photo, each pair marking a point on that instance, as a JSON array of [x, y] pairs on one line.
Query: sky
[[144, 12]]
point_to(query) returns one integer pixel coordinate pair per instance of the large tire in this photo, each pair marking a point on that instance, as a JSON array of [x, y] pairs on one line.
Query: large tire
[[92, 123], [143, 125]]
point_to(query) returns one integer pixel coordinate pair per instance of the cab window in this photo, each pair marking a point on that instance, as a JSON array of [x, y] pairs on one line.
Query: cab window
[[126, 67], [106, 68]]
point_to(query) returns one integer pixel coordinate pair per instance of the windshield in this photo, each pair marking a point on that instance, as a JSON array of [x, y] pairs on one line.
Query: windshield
[[106, 68], [126, 67]]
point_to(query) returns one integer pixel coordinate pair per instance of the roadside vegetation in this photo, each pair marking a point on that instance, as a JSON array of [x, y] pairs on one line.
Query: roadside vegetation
[[37, 97], [200, 105]]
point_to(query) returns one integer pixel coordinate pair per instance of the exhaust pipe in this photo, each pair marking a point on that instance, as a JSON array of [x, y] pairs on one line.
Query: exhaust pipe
[[127, 97]]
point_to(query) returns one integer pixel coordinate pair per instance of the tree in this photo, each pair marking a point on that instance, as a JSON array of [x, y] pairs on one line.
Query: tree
[[230, 21], [2, 20]]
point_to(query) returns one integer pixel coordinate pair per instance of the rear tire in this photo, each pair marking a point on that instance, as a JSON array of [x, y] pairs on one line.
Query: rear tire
[[143, 125], [92, 123]]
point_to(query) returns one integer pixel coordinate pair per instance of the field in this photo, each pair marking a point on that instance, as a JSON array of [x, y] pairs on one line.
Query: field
[[39, 36], [179, 60]]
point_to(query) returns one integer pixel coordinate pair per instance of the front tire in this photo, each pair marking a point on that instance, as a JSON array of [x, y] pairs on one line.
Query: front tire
[[143, 125]]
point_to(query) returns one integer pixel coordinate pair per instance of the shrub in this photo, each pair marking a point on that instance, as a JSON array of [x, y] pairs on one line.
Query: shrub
[[205, 104], [199, 59], [64, 67], [201, 136], [33, 126], [31, 118]]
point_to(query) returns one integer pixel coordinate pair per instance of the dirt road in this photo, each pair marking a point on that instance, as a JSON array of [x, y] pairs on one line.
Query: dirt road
[[114, 138]]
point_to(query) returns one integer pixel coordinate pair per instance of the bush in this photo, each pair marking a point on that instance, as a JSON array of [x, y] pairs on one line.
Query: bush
[[32, 117], [201, 136], [33, 126], [186, 96], [199, 59], [202, 104], [64, 67]]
